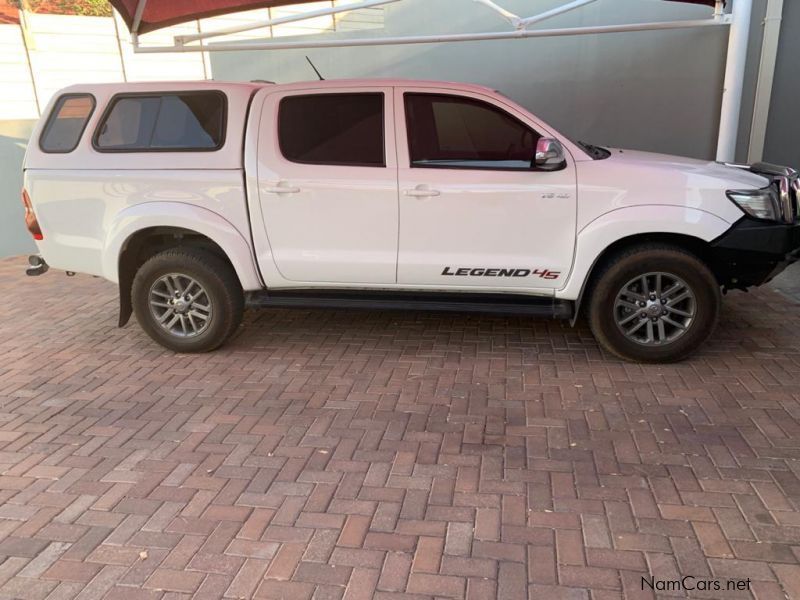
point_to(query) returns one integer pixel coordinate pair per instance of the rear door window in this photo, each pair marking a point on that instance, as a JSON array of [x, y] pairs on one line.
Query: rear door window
[[187, 122], [65, 126], [333, 129]]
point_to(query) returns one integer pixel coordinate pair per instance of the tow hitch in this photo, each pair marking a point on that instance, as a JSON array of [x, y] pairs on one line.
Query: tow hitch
[[37, 266]]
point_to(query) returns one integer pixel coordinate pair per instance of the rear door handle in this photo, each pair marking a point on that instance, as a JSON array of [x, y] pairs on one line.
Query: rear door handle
[[422, 192], [281, 188]]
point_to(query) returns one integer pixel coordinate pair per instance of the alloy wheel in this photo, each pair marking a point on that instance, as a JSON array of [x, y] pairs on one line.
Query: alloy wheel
[[655, 308], [180, 305]]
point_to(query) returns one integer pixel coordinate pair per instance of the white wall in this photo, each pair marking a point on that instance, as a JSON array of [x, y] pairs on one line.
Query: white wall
[[14, 238], [60, 50], [63, 50], [18, 100]]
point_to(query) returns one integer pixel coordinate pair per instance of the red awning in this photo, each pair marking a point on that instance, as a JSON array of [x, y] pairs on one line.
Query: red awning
[[163, 13]]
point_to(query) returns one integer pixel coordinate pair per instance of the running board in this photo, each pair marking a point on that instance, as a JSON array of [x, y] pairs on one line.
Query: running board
[[504, 304]]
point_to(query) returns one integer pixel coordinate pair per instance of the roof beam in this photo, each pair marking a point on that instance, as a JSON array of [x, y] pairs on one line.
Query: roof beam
[[506, 14], [434, 39], [559, 10], [312, 14]]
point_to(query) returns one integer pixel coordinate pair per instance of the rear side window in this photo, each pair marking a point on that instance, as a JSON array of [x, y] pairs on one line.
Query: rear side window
[[333, 129], [65, 126], [187, 122]]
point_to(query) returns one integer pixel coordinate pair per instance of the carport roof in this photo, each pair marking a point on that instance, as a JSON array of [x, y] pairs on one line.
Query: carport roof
[[156, 14]]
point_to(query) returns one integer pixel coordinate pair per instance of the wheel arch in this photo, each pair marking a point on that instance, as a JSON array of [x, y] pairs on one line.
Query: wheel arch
[[697, 246], [141, 231], [686, 227], [146, 243]]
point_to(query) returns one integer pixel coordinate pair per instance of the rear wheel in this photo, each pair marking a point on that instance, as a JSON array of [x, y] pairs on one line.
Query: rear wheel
[[187, 299], [654, 303]]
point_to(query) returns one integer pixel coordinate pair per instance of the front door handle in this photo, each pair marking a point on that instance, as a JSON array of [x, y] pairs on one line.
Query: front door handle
[[422, 191], [281, 188]]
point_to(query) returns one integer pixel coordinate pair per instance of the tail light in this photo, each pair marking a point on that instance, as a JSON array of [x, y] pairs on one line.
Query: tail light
[[30, 217]]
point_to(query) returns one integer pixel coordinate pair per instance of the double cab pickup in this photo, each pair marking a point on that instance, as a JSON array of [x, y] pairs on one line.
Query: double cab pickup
[[199, 198]]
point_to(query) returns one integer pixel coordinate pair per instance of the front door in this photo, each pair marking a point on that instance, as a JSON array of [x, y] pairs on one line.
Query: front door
[[327, 182], [473, 212]]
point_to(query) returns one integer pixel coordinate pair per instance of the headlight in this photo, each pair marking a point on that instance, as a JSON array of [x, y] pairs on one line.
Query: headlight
[[761, 204]]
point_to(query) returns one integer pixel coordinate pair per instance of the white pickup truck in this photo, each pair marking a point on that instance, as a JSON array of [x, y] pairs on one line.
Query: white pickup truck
[[199, 198]]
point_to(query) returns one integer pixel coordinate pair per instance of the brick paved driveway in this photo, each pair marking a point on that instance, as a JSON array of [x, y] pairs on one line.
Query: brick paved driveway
[[342, 454]]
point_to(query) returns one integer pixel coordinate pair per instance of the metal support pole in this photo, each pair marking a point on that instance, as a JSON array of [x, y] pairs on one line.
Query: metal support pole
[[137, 16], [766, 76], [734, 80], [27, 42], [119, 46]]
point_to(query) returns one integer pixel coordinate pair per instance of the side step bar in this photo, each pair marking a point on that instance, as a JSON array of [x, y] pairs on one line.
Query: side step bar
[[504, 304]]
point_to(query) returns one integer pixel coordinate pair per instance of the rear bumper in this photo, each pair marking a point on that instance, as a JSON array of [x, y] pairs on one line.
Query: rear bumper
[[752, 252]]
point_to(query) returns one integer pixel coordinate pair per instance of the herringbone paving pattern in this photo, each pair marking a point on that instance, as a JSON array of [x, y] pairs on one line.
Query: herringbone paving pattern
[[333, 454]]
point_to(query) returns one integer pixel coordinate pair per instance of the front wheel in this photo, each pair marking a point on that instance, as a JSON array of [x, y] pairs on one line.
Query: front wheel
[[654, 303], [187, 299]]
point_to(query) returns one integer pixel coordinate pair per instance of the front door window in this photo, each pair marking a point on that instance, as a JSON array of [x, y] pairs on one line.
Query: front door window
[[464, 133]]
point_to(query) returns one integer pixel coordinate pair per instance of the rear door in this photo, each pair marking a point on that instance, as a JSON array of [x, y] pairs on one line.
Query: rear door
[[327, 184], [473, 212]]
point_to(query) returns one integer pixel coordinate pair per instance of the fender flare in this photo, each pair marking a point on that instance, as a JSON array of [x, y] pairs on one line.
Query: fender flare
[[595, 238], [183, 216]]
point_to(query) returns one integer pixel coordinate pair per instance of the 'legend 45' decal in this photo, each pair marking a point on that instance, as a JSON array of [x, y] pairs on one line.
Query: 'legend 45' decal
[[490, 272]]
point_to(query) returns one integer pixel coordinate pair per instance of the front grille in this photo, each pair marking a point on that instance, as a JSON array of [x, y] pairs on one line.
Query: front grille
[[795, 191], [788, 189], [787, 200], [786, 183]]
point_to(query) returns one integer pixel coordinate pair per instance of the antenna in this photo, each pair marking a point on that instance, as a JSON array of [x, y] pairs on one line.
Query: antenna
[[321, 78]]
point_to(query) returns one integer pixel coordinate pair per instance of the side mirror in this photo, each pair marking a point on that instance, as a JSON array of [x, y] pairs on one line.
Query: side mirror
[[549, 155]]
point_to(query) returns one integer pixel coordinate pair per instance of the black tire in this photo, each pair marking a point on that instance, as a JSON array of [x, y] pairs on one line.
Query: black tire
[[633, 263], [223, 294]]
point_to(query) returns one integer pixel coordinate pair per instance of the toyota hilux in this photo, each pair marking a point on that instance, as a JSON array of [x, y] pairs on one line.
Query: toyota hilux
[[199, 198]]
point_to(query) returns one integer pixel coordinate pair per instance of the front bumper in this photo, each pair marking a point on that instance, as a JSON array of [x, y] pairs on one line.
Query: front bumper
[[752, 252]]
